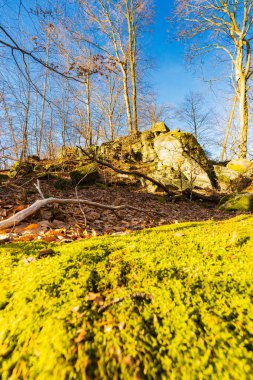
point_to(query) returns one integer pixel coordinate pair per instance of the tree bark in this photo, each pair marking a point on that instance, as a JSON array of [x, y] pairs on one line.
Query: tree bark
[[244, 118], [127, 100]]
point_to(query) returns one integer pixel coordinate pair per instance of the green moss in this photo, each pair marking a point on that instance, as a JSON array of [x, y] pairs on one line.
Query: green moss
[[238, 202], [197, 326], [22, 168], [161, 200], [242, 166]]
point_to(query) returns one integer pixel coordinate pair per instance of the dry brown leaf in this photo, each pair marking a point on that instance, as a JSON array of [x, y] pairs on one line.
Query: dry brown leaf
[[81, 336]]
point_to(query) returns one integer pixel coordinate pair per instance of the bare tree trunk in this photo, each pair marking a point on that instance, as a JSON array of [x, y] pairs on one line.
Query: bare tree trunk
[[44, 99], [231, 117], [134, 98], [88, 107], [11, 129], [127, 101], [132, 50], [242, 76], [111, 127], [25, 129], [244, 118]]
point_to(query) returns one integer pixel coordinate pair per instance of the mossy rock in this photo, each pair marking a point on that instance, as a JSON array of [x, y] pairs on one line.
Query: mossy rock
[[53, 167], [85, 175], [160, 127], [241, 166], [22, 168], [238, 202]]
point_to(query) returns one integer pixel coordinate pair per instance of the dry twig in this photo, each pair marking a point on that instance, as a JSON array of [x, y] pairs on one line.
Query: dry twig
[[143, 296]]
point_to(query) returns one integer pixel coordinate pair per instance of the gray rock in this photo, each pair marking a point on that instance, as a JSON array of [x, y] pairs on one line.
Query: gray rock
[[242, 166], [225, 176], [174, 154]]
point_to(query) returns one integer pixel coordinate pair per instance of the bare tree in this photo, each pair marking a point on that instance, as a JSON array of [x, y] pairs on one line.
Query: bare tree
[[119, 24], [227, 26], [196, 118]]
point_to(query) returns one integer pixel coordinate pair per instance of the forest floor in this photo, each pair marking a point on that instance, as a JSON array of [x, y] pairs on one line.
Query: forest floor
[[71, 222]]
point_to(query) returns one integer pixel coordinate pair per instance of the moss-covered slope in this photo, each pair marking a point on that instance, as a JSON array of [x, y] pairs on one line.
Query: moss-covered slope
[[198, 325]]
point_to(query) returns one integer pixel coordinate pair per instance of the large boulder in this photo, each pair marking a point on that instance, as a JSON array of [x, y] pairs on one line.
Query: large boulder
[[237, 202], [225, 176], [181, 161], [173, 158]]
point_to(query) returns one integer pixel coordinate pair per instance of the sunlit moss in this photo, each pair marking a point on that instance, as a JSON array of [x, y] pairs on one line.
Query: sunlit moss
[[197, 326]]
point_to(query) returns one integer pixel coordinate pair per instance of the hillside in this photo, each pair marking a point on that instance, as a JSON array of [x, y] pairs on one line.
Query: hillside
[[186, 312]]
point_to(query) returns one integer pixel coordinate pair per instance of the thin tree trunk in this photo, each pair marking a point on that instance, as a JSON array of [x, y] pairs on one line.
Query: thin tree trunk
[[43, 100], [231, 117], [244, 118], [111, 128], [127, 101], [25, 129], [88, 108], [134, 98], [132, 48]]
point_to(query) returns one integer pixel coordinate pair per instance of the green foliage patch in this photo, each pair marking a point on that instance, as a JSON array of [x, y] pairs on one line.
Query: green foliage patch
[[198, 325]]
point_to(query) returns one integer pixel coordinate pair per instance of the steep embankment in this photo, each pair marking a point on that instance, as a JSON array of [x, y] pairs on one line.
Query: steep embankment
[[191, 320]]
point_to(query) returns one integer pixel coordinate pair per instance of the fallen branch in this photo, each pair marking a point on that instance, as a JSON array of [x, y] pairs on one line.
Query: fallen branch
[[142, 296], [127, 172], [36, 206]]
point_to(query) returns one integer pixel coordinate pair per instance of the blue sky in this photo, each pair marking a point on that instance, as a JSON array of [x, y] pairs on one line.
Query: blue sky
[[173, 78]]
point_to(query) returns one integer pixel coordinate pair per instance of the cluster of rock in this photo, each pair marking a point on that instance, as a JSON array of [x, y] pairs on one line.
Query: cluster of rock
[[176, 160], [172, 158]]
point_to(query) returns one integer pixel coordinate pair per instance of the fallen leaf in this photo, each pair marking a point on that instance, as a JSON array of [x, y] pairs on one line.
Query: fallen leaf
[[29, 260], [81, 336], [207, 254], [95, 297], [179, 234], [32, 227]]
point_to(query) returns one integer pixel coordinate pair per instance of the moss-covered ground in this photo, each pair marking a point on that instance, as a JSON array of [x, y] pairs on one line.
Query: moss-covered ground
[[198, 325]]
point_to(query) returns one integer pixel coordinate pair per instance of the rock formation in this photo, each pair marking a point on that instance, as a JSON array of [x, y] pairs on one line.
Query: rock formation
[[173, 158]]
